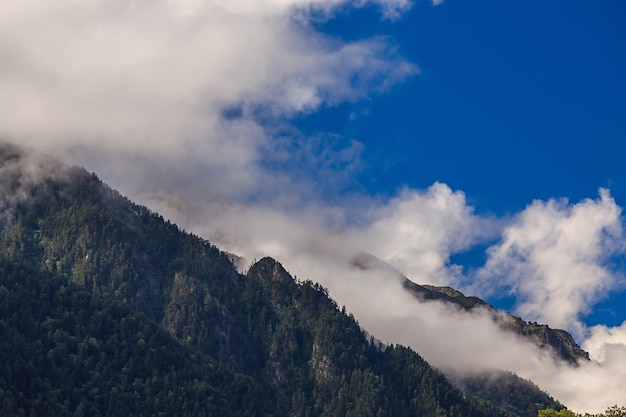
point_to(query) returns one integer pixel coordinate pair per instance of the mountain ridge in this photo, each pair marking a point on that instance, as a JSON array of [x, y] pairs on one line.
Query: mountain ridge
[[282, 346], [559, 341]]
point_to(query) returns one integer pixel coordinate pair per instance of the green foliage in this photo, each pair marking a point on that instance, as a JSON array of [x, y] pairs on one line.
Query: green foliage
[[613, 411], [553, 413]]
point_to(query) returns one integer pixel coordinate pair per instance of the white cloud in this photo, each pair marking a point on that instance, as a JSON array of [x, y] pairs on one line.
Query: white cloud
[[150, 80], [418, 231], [604, 343], [597, 385], [553, 257]]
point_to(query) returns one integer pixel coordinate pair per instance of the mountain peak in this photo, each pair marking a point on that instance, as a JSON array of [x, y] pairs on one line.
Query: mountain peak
[[446, 294], [269, 268]]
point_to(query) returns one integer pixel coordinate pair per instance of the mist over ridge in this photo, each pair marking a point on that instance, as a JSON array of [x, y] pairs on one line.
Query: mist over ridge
[[107, 307]]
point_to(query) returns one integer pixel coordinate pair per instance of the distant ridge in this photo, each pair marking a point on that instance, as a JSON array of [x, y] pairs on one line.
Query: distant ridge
[[557, 340], [560, 342]]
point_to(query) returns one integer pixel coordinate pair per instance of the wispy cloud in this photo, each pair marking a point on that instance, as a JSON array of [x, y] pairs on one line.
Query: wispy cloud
[[21, 172]]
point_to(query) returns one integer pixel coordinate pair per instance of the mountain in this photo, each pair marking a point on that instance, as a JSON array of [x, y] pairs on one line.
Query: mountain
[[558, 341], [106, 308], [500, 387]]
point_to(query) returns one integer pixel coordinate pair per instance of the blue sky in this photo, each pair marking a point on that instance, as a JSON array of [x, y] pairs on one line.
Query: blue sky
[[476, 144], [515, 101]]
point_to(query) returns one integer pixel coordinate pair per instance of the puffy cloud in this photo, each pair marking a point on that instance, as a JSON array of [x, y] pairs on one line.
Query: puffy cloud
[[554, 257], [418, 231], [605, 343]]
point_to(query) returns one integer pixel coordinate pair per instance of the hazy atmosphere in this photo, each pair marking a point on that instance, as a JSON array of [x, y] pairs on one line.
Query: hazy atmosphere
[[476, 146]]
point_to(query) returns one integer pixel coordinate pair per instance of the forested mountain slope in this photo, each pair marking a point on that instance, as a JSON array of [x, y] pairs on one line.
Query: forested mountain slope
[[67, 351], [105, 308]]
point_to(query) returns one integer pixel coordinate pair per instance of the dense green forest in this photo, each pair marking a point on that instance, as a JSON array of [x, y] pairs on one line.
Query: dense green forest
[[105, 308], [65, 351]]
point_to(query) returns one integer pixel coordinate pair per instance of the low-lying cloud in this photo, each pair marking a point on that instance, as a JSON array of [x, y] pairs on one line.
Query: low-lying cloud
[[185, 106], [21, 172]]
